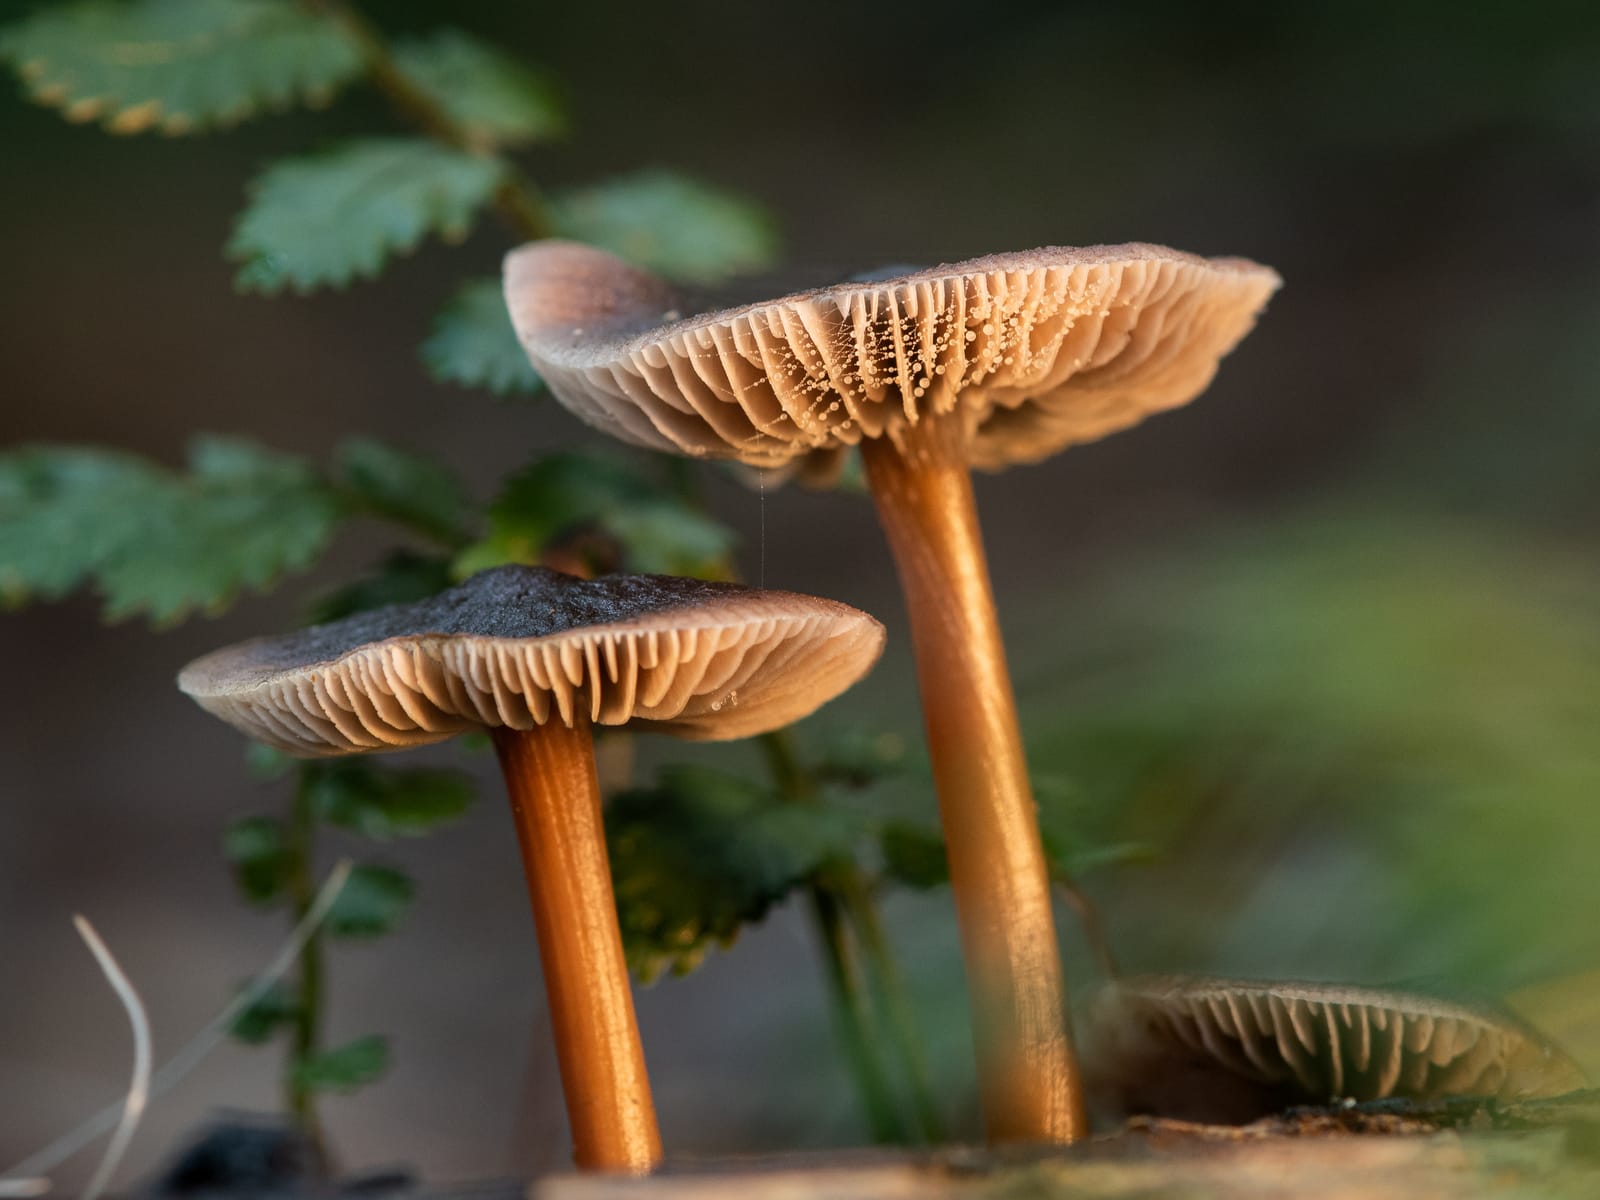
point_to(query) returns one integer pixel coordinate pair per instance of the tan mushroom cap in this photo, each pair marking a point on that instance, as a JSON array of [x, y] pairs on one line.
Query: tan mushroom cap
[[1037, 350], [521, 646], [1315, 1042]]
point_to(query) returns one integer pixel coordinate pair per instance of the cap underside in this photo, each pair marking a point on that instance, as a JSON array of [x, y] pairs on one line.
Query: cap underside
[[1326, 1041], [522, 646], [1035, 351]]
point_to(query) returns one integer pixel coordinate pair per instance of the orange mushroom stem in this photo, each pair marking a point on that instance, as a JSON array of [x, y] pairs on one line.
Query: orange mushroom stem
[[555, 803], [985, 363], [1027, 1072]]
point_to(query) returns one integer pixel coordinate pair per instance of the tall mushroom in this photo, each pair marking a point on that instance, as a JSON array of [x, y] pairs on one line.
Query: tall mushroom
[[1232, 1050], [978, 364], [538, 657]]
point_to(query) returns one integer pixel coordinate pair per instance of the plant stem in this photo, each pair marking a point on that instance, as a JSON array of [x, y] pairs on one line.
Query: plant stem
[[555, 802], [1094, 930], [838, 892], [517, 198], [1027, 1072], [301, 1099], [890, 986], [852, 1018]]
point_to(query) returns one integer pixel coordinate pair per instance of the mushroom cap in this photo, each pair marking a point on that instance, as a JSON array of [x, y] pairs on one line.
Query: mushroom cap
[[1232, 1049], [1036, 350], [519, 646]]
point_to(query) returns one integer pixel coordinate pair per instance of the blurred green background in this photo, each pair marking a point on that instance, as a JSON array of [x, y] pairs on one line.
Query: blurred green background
[[1327, 641]]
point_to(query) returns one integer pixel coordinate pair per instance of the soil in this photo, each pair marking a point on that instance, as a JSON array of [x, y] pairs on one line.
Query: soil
[[1392, 1150], [1456, 1150]]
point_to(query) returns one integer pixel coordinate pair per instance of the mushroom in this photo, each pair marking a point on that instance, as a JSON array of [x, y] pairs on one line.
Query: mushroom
[[982, 364], [538, 657], [1231, 1050]]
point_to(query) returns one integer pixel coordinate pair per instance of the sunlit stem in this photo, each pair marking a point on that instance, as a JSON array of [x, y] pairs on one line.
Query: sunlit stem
[[1027, 1073], [555, 803]]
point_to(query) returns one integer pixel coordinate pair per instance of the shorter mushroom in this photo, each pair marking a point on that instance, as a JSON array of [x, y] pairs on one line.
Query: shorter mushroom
[[537, 657], [1230, 1051]]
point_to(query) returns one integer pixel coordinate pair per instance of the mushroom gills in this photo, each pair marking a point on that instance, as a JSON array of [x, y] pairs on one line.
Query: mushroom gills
[[1230, 1051]]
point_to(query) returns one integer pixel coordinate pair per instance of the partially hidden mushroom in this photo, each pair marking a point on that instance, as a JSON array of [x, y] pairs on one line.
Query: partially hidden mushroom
[[985, 363], [1230, 1051], [538, 658]]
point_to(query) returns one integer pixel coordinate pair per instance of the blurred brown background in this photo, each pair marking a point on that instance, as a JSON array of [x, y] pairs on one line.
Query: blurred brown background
[[1327, 638]]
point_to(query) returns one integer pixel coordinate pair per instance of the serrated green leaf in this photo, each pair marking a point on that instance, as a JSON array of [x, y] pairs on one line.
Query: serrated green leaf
[[408, 488], [153, 541], [386, 802], [671, 224], [64, 512], [371, 903], [274, 1009], [489, 94], [562, 496], [474, 345], [345, 1068], [177, 65], [913, 855], [403, 576], [258, 850], [339, 215], [701, 854]]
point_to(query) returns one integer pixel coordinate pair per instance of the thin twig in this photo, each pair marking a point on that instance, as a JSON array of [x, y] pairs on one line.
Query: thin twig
[[139, 1086], [517, 198], [193, 1051], [1094, 930]]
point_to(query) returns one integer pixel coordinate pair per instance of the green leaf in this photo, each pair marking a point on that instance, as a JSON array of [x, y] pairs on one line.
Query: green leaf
[[474, 345], [701, 854], [857, 757], [345, 1068], [245, 516], [671, 224], [153, 541], [371, 903], [913, 855], [407, 488], [491, 95], [560, 495], [66, 511], [177, 65], [1073, 846], [258, 849], [339, 215], [274, 1009], [665, 537], [402, 576], [266, 763], [386, 802]]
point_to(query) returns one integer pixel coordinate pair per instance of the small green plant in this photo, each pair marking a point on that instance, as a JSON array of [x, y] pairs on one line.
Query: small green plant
[[166, 544], [273, 861]]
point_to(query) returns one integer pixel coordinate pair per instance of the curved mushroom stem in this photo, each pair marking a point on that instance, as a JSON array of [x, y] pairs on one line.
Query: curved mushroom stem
[[1028, 1076], [555, 801]]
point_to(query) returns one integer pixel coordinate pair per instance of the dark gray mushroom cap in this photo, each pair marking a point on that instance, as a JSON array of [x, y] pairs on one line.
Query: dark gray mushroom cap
[[1230, 1049], [1034, 350], [519, 646]]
